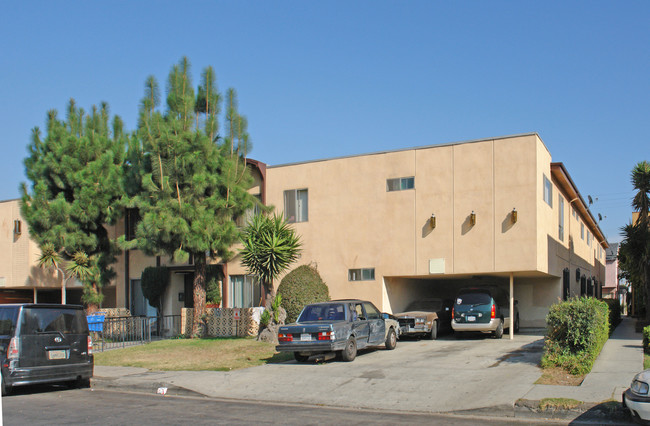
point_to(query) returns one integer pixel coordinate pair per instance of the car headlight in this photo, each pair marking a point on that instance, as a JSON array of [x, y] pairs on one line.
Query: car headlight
[[639, 387], [419, 320]]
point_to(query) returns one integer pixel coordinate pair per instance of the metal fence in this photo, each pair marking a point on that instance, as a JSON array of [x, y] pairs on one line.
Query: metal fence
[[120, 332]]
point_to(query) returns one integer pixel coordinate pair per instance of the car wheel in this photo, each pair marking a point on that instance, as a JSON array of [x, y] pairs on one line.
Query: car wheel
[[498, 333], [391, 339], [433, 335], [300, 358], [6, 388], [517, 324], [350, 352]]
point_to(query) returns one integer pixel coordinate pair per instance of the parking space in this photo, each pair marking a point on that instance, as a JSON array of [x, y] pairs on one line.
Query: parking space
[[420, 375]]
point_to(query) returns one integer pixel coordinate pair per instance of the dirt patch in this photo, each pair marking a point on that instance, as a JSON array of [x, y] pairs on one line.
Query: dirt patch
[[557, 376]]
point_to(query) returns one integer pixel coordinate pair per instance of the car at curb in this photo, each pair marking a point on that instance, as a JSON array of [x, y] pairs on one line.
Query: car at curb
[[44, 343], [426, 318], [637, 397], [483, 309], [338, 328]]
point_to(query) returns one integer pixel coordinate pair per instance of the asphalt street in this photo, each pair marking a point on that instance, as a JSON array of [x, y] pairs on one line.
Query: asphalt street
[[49, 405]]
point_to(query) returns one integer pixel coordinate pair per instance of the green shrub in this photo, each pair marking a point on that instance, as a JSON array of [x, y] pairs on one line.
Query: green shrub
[[577, 329], [614, 313], [154, 281], [646, 339], [301, 287], [212, 288]]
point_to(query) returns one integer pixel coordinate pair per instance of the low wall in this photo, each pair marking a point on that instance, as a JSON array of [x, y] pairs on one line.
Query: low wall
[[222, 323]]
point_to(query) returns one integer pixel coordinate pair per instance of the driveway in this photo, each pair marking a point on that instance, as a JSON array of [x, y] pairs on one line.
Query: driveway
[[419, 375]]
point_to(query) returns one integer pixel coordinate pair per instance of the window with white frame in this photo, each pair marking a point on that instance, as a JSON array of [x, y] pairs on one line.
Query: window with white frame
[[364, 274], [548, 191], [244, 291], [296, 205], [589, 238], [582, 230], [560, 205], [400, 184]]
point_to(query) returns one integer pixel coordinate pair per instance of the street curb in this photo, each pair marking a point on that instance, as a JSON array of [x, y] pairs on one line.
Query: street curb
[[609, 412], [154, 387]]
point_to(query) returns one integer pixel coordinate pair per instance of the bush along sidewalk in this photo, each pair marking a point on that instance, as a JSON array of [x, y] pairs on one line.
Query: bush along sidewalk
[[577, 329]]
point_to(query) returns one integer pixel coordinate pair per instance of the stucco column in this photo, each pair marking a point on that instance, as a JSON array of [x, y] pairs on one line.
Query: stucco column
[[512, 306]]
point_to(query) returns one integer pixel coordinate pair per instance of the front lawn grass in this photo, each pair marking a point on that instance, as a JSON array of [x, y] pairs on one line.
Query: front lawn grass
[[220, 354], [558, 376], [646, 361]]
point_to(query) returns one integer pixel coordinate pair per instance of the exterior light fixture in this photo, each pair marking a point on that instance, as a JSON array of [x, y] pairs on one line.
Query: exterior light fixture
[[513, 216], [472, 218], [432, 221]]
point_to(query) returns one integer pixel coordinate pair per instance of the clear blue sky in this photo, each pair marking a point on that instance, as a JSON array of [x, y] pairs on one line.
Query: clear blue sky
[[334, 78]]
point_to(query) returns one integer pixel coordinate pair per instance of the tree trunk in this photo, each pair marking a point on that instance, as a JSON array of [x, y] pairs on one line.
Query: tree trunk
[[198, 327]]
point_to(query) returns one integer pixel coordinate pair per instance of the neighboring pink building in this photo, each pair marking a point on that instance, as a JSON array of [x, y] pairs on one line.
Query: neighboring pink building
[[610, 288]]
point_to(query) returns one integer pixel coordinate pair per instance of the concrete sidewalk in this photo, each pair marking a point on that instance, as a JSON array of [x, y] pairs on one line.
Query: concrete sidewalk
[[613, 371], [444, 376]]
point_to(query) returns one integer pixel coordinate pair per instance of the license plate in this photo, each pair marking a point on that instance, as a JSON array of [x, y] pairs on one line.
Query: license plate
[[58, 354], [305, 337], [471, 319]]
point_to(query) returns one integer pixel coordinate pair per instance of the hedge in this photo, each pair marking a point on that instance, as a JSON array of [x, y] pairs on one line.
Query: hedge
[[300, 287], [577, 329], [614, 313], [646, 340]]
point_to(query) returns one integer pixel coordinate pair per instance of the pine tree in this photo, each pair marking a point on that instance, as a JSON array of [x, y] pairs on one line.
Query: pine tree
[[76, 185], [194, 183]]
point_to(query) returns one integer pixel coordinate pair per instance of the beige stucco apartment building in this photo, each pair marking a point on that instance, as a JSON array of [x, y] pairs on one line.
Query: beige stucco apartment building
[[422, 222]]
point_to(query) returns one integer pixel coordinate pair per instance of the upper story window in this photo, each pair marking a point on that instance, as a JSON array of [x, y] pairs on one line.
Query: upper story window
[[589, 238], [400, 184], [248, 215], [560, 205], [296, 205], [548, 191], [575, 214], [582, 230], [366, 274], [132, 218]]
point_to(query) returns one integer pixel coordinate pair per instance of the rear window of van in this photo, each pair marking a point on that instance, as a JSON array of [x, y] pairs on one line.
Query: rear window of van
[[53, 320], [474, 297], [8, 318]]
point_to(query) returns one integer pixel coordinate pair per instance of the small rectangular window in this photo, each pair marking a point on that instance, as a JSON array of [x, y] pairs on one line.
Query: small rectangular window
[[365, 274], [582, 230], [400, 184], [548, 191], [561, 217], [296, 205]]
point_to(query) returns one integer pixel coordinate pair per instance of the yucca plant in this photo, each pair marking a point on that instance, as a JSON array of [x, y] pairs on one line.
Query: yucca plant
[[271, 245]]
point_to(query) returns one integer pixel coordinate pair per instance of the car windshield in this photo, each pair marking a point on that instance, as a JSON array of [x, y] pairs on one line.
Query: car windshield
[[324, 312], [476, 297], [425, 305]]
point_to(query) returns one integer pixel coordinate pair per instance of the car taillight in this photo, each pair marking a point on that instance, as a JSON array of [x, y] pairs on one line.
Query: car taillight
[[90, 345], [326, 335], [453, 314], [285, 337], [12, 350], [493, 314]]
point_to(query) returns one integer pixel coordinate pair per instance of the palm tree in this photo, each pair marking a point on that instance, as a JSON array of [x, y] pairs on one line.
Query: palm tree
[[635, 248], [79, 266], [271, 245]]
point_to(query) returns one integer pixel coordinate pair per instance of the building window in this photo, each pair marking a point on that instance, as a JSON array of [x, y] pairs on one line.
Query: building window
[[248, 215], [400, 184], [575, 214], [589, 238], [548, 191], [561, 217], [296, 205], [582, 230], [244, 291], [132, 219], [366, 274]]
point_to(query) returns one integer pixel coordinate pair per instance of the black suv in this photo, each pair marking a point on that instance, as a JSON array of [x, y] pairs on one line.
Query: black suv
[[42, 343], [485, 309]]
